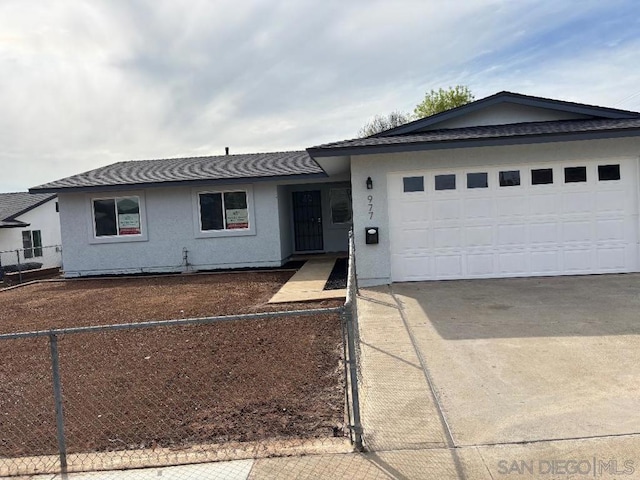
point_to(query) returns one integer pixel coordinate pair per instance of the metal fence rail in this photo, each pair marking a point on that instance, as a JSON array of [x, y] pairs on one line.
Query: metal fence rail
[[15, 263], [351, 341], [160, 392]]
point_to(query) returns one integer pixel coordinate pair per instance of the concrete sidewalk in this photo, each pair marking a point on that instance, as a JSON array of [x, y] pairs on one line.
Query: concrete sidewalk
[[607, 457]]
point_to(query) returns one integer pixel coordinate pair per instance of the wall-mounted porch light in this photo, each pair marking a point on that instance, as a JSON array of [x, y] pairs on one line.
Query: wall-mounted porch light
[[369, 183]]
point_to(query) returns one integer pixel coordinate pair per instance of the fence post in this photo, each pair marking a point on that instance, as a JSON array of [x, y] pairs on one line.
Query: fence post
[[57, 395], [19, 266], [352, 256], [353, 376]]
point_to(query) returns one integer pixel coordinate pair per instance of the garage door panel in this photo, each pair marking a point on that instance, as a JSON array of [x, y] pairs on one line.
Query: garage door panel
[[448, 266], [475, 208], [578, 260], [611, 201], [607, 230], [480, 264], [413, 240], [414, 213], [512, 234], [411, 267], [512, 206], [611, 258], [577, 202], [479, 236], [519, 230], [543, 204], [448, 209], [544, 233], [577, 231], [545, 262], [447, 237], [510, 263]]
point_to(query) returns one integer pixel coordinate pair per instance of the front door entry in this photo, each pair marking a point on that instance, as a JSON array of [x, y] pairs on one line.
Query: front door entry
[[307, 221]]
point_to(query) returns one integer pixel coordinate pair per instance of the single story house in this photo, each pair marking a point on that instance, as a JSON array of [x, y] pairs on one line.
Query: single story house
[[182, 214], [509, 185], [30, 229]]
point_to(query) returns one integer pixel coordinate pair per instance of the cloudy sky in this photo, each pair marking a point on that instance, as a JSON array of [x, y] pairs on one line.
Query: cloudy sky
[[88, 83]]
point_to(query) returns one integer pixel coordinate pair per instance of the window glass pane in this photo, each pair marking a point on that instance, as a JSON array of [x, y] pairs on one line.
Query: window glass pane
[[445, 182], [340, 205], [510, 178], [37, 243], [27, 244], [413, 184], [608, 172], [211, 211], [104, 212], [236, 212], [477, 180], [128, 216], [541, 176], [575, 174]]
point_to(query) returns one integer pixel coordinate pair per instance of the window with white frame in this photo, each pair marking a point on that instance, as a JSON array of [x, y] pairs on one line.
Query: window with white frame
[[32, 243], [340, 200], [116, 216], [223, 210]]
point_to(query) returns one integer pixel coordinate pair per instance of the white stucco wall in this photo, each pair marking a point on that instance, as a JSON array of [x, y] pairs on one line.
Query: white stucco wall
[[43, 218], [374, 266], [286, 233], [171, 227]]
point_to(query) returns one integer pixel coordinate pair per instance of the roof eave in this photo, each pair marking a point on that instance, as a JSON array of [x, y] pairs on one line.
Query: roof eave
[[177, 183], [14, 225], [470, 143]]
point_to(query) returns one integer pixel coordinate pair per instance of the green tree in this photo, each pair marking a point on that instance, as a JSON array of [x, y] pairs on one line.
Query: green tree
[[441, 100], [380, 123], [435, 101]]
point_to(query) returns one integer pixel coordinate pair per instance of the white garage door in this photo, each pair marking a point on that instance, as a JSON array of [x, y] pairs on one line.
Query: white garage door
[[560, 219]]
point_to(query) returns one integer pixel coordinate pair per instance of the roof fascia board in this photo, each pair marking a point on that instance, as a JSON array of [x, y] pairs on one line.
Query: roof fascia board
[[508, 97], [481, 142], [16, 225], [178, 183]]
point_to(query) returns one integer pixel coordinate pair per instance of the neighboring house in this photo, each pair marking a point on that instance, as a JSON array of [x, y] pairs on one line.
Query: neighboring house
[[202, 213], [510, 185], [29, 223]]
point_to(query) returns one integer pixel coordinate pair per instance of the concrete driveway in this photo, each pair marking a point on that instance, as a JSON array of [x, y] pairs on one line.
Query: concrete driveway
[[520, 360]]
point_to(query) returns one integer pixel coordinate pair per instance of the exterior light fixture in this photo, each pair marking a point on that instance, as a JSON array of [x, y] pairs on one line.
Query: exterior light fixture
[[369, 183]]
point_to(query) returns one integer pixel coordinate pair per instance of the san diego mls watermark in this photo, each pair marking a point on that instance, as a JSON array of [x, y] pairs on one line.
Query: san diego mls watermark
[[592, 467]]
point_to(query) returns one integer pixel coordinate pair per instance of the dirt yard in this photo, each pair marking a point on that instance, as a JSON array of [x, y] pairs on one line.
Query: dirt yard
[[169, 386]]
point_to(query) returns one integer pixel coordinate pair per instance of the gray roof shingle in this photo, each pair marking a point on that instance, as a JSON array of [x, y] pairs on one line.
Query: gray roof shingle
[[14, 204], [498, 132], [219, 169]]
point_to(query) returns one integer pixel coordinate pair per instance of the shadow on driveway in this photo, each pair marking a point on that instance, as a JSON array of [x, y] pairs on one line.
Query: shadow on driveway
[[590, 305]]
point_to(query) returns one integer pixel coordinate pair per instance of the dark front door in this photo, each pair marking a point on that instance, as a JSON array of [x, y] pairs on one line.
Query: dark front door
[[307, 220]]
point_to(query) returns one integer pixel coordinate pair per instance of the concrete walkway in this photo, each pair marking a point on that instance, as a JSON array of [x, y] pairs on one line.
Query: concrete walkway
[[308, 283]]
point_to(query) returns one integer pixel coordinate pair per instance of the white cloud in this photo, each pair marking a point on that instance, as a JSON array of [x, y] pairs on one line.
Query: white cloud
[[89, 83]]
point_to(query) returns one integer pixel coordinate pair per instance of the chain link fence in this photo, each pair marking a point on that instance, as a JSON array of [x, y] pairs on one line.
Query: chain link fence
[[180, 392], [26, 264]]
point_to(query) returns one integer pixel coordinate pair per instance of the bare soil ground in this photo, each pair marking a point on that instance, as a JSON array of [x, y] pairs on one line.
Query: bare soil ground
[[170, 386]]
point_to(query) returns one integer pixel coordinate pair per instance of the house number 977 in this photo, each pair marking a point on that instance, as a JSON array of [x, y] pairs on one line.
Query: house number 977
[[370, 205]]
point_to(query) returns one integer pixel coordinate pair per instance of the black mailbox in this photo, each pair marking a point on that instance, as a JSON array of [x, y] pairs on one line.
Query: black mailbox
[[371, 235]]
